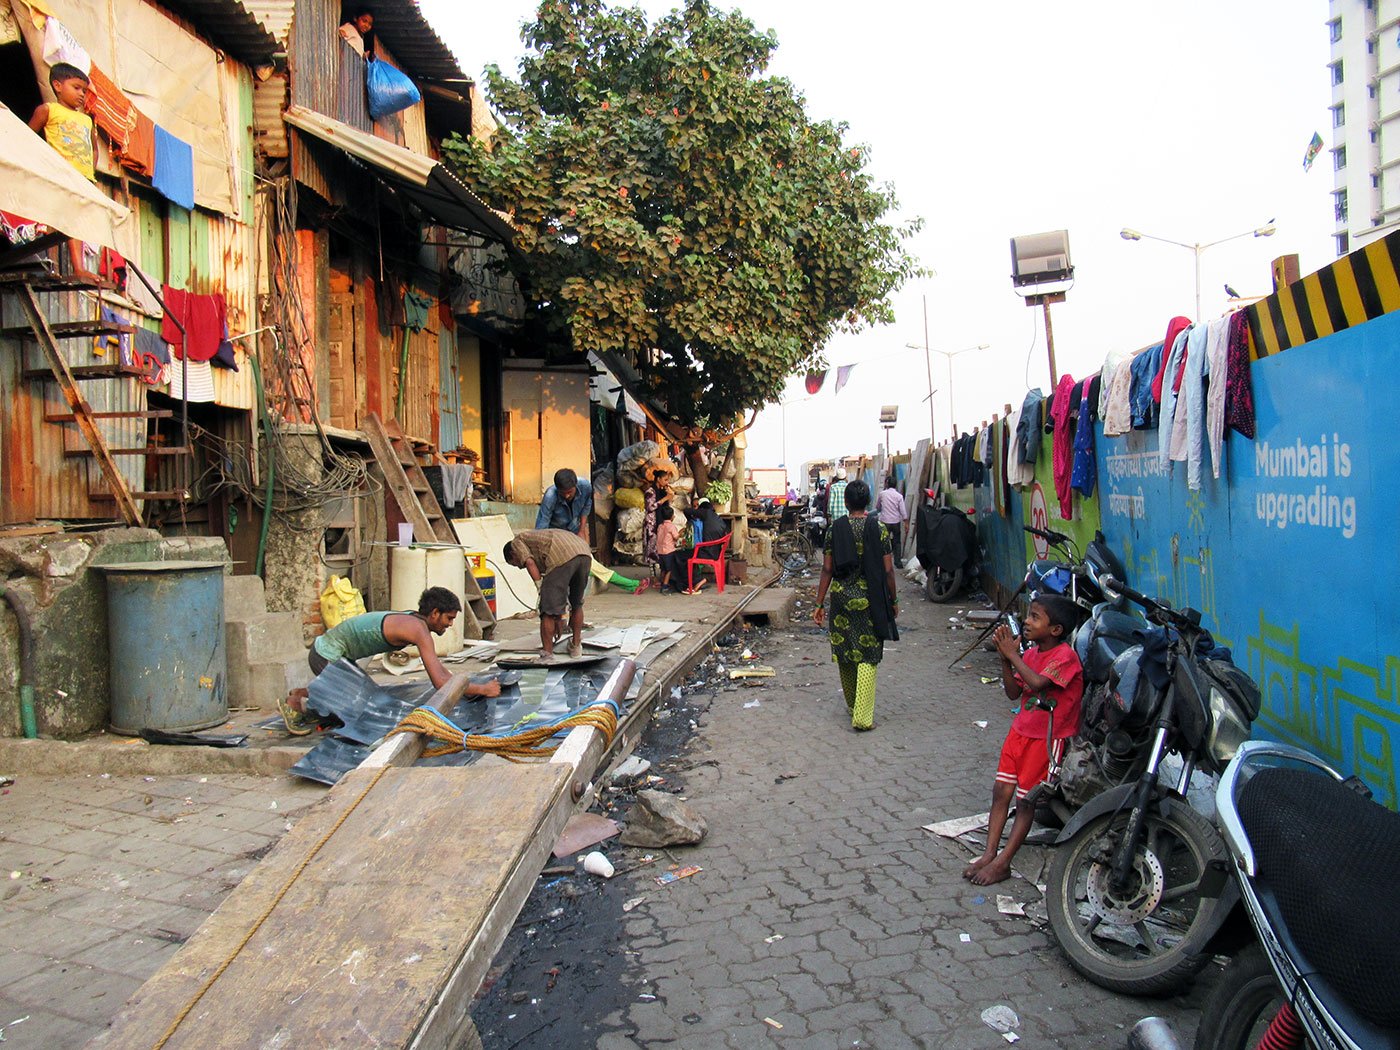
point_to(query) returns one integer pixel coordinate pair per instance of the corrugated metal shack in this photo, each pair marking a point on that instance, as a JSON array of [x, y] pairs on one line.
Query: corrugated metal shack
[[189, 67]]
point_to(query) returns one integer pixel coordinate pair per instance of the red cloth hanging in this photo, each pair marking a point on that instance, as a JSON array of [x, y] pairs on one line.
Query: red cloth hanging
[[1063, 444], [203, 316]]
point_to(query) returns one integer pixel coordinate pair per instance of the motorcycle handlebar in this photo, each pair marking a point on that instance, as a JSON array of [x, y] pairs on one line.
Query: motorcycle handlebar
[[1046, 534], [1152, 605]]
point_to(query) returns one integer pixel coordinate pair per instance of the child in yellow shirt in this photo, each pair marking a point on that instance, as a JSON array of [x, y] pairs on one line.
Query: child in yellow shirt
[[66, 126]]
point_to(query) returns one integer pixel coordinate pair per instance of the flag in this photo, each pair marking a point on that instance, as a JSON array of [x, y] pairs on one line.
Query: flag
[[843, 373], [1314, 148], [815, 381]]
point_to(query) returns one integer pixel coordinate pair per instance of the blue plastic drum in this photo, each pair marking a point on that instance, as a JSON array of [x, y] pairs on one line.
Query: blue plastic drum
[[165, 629]]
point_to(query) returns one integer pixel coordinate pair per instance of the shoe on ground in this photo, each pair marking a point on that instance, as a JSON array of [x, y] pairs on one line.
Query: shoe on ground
[[296, 722]]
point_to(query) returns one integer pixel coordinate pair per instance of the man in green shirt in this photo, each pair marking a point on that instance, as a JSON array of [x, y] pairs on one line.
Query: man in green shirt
[[382, 632]]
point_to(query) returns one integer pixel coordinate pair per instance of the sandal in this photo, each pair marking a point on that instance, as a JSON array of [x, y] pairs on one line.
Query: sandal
[[297, 723]]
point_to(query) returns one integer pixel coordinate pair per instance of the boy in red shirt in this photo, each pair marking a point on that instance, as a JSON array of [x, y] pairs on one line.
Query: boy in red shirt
[[1049, 670]]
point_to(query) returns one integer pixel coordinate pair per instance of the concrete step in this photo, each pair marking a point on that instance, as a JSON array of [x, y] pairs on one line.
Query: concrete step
[[243, 598], [261, 685], [772, 605], [265, 638]]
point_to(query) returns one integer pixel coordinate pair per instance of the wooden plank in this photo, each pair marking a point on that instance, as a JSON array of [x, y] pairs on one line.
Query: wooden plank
[[365, 940]]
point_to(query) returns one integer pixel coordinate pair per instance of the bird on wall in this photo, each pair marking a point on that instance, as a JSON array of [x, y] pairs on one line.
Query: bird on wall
[[1231, 292]]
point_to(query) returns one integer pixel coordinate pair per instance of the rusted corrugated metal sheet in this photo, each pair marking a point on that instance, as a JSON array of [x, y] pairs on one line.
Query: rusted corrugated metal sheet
[[38, 480], [269, 100], [275, 16]]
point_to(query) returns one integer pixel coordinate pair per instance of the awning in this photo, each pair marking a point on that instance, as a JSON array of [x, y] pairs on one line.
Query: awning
[[421, 179], [38, 184]]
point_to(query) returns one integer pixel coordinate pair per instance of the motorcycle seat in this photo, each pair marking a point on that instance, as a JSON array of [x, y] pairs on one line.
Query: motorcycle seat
[[1326, 861]]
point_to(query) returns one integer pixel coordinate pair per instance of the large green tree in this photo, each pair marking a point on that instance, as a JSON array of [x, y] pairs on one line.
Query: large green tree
[[676, 205]]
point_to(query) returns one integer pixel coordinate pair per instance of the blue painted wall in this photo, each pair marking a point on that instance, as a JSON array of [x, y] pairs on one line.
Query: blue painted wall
[[1291, 555]]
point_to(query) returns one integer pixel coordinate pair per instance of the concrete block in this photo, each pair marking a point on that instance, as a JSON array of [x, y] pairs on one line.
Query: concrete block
[[267, 638], [773, 604], [261, 685], [243, 598]]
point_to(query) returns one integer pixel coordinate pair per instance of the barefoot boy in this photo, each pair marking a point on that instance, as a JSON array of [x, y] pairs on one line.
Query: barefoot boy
[[1048, 671]]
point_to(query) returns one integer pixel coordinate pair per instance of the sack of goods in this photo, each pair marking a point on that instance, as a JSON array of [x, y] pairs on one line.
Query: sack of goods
[[629, 499], [632, 463]]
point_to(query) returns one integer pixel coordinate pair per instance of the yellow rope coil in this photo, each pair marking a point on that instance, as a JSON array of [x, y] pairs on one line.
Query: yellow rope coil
[[525, 746]]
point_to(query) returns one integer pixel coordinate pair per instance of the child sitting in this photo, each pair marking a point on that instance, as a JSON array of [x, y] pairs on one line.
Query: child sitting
[[1050, 672], [667, 537], [66, 127]]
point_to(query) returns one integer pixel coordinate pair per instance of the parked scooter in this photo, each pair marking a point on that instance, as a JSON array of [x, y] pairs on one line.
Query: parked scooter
[[1138, 885], [1314, 862]]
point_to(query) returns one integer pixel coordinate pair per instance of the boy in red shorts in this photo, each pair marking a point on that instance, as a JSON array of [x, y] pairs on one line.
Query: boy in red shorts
[[1049, 670]]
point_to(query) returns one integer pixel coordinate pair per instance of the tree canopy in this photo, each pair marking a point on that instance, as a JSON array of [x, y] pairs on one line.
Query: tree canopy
[[677, 206]]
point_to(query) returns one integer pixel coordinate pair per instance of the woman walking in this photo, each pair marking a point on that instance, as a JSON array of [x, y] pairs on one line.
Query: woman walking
[[858, 571]]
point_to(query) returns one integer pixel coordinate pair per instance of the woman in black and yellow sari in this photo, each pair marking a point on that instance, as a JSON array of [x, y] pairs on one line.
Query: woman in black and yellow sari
[[858, 572]]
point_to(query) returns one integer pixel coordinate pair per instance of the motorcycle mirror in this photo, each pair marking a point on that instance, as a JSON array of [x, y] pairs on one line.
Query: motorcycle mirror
[[1109, 586]]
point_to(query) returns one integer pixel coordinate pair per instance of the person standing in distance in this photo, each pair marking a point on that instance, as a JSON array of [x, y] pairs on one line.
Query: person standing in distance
[[893, 514]]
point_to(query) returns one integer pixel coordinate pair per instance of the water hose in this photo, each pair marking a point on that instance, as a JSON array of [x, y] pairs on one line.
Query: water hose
[[26, 662]]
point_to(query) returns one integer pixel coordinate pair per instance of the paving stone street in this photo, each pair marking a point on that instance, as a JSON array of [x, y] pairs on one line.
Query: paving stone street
[[103, 878], [823, 906]]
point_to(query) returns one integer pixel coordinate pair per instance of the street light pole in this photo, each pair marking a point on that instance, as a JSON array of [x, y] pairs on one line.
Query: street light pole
[[1197, 249], [928, 369]]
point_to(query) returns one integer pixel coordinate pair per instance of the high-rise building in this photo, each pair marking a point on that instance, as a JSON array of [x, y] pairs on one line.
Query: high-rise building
[[1365, 153]]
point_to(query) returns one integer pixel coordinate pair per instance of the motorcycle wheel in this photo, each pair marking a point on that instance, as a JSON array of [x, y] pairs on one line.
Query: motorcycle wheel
[[1238, 1010], [1150, 940], [943, 585]]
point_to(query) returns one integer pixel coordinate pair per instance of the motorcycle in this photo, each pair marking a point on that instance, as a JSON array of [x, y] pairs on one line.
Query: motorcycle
[[946, 545], [1072, 574], [1314, 862], [1138, 886]]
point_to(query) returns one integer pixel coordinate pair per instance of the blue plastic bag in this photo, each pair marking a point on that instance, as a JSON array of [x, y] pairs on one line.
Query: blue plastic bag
[[389, 89]]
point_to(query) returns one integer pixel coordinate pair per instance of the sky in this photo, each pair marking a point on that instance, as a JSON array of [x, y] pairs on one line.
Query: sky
[[992, 120]]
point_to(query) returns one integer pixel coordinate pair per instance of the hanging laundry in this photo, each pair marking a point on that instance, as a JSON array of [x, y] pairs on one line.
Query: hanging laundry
[[1174, 328], [139, 294], [204, 318], [1192, 407], [1239, 396], [111, 266], [1062, 444], [1028, 434], [110, 109], [114, 341], [988, 456], [224, 357], [1115, 404], [1182, 420], [1018, 472], [1083, 473], [149, 352], [19, 230], [1217, 342], [1170, 366], [60, 45], [1143, 409], [843, 374], [200, 386], [140, 153], [173, 177]]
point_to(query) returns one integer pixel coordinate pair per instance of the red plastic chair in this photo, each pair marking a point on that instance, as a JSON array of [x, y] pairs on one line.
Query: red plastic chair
[[719, 548]]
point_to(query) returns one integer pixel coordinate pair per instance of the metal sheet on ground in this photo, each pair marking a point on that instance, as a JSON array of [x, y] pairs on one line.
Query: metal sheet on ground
[[354, 954]]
